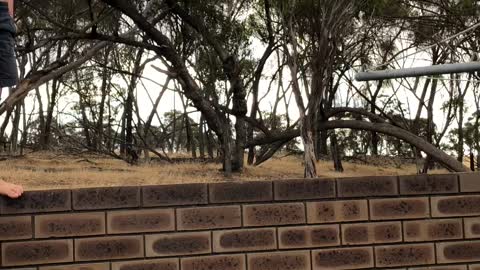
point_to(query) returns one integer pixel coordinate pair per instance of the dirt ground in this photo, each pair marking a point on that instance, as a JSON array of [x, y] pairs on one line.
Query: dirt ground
[[56, 171]]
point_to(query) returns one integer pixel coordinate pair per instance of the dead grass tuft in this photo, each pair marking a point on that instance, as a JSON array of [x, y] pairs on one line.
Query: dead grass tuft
[[50, 171]]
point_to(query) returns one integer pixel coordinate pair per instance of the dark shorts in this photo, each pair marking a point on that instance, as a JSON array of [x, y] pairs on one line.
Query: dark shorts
[[8, 63]]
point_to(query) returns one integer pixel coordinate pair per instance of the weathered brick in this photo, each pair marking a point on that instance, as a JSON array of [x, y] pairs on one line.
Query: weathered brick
[[155, 220], [106, 248], [342, 258], [308, 236], [227, 262], [36, 202], [404, 255], [63, 225], [337, 211], [167, 195], [29, 268], [448, 267], [161, 264], [240, 192], [304, 189], [472, 227], [369, 186], [299, 260], [371, 233], [15, 228], [456, 206], [86, 266], [474, 267], [432, 230], [454, 252], [399, 208], [244, 240], [37, 252], [469, 182], [175, 244], [106, 198], [428, 184], [199, 218], [273, 214]]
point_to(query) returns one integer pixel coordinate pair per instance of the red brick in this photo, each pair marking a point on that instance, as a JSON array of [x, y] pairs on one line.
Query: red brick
[[135, 221], [455, 252], [371, 233], [106, 248], [337, 211], [161, 264], [292, 260], [226, 262], [469, 182], [244, 240], [106, 198], [200, 218], [369, 186], [174, 244], [29, 268], [304, 189], [15, 228], [63, 225], [166, 195], [273, 214], [308, 236], [37, 252], [399, 208], [87, 266], [474, 267], [342, 258], [228, 192], [37, 202], [465, 205], [429, 184], [432, 230], [472, 227], [404, 255], [448, 267]]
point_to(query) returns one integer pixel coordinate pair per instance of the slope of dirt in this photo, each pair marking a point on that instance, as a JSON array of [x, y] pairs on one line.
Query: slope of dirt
[[54, 171]]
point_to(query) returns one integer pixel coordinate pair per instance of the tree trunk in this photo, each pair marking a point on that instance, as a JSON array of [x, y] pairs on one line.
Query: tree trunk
[[49, 118], [105, 82], [472, 161], [4, 127], [461, 105], [210, 151], [15, 127], [227, 151], [129, 143], [336, 156], [201, 138], [41, 120], [123, 149], [430, 125], [25, 130], [191, 147], [309, 149]]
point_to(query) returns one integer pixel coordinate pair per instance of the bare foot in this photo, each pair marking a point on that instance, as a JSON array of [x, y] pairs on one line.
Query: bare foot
[[10, 190]]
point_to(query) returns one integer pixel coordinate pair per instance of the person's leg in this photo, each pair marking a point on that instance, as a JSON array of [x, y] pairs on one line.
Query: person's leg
[[8, 72], [10, 190]]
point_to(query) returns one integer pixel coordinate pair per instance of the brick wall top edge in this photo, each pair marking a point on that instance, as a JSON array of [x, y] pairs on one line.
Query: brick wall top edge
[[64, 200]]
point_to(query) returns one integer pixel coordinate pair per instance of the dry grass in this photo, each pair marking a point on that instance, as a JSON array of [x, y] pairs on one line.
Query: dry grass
[[49, 171]]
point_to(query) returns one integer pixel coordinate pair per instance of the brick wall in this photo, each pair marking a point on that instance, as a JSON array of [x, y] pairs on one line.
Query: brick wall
[[406, 222]]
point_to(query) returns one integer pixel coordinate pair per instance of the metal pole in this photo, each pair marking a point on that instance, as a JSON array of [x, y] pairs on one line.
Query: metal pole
[[418, 71]]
